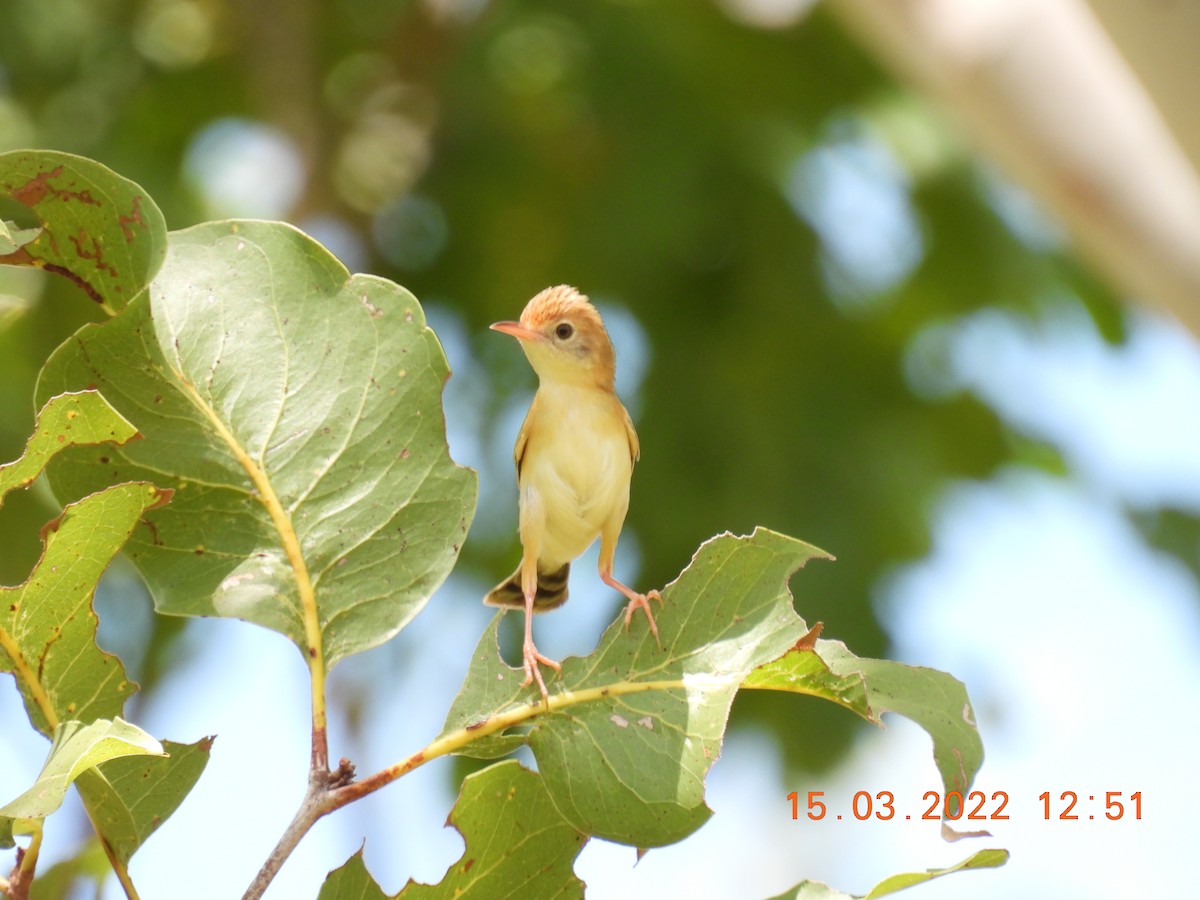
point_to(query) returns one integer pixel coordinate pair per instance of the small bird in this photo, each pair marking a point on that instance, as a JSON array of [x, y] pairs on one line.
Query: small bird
[[575, 454]]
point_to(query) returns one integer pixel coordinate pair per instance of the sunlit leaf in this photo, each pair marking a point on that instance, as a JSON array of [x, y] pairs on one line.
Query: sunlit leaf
[[78, 747], [804, 672], [128, 799], [814, 890], [297, 412], [635, 726], [99, 230]]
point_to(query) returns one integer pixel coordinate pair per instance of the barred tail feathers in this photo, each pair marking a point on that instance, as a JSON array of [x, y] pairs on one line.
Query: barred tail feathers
[[551, 591]]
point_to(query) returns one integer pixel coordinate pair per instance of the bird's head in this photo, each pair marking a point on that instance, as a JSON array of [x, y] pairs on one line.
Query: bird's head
[[564, 339]]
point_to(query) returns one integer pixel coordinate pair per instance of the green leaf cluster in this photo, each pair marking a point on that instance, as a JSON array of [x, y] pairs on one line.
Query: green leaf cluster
[[262, 432]]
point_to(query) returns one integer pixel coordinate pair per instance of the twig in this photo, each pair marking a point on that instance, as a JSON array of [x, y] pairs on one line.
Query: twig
[[330, 791]]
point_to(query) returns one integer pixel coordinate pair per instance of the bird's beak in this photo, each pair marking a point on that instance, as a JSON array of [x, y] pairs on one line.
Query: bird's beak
[[517, 330]]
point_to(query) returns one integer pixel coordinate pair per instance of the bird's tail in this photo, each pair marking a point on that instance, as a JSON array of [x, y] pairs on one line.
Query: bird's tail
[[551, 590]]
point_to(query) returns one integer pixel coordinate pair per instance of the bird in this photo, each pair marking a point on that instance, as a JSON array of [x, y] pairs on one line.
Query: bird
[[574, 454]]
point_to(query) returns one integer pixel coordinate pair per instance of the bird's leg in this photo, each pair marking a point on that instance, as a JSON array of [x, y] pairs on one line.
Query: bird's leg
[[636, 600], [528, 651]]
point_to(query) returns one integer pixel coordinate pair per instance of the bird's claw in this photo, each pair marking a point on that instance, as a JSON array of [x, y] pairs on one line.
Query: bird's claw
[[532, 673], [642, 602]]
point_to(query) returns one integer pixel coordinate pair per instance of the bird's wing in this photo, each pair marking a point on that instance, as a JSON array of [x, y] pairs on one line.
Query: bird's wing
[[523, 436], [635, 449]]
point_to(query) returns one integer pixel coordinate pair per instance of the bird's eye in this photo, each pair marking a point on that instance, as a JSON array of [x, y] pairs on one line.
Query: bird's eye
[[564, 330]]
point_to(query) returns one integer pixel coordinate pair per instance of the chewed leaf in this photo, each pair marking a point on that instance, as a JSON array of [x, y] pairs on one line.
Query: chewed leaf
[[76, 749], [813, 890], [870, 687], [99, 230], [297, 411], [47, 626], [517, 845], [635, 727], [65, 421]]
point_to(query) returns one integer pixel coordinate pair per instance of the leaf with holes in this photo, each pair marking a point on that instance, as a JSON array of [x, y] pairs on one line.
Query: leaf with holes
[[517, 845], [77, 748], [47, 626], [99, 230], [296, 410], [934, 700], [65, 421]]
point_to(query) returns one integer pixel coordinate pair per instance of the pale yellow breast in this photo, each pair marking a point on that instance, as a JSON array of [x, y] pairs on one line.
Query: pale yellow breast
[[576, 468]]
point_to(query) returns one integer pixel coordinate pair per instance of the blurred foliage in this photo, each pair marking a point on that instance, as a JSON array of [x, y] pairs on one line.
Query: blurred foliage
[[478, 151]]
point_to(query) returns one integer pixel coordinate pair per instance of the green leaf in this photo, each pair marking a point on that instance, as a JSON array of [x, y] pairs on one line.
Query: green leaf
[[352, 881], [870, 687], [813, 890], [66, 420], [297, 410], [99, 230], [128, 799], [78, 747], [47, 626], [6, 833], [804, 672], [635, 726], [517, 846]]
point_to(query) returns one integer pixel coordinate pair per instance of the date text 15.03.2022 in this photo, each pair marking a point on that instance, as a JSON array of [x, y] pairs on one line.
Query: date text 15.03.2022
[[976, 806]]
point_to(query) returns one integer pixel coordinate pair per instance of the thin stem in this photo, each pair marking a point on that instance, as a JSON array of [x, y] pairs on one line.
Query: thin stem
[[118, 865], [335, 790], [29, 860]]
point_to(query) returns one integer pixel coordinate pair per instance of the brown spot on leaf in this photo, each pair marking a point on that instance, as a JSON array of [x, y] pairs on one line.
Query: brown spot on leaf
[[162, 498], [809, 641], [87, 247], [74, 279], [49, 528], [34, 191], [153, 529], [134, 218]]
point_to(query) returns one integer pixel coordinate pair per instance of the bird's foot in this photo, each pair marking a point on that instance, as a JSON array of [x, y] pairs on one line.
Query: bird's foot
[[533, 673], [642, 602]]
